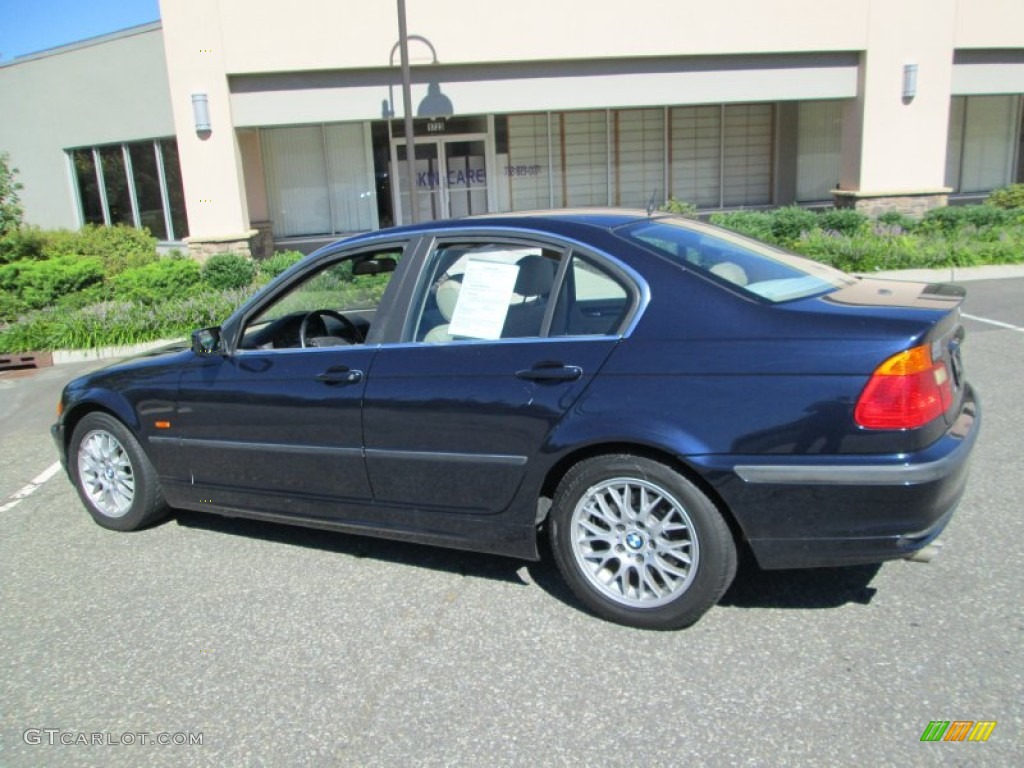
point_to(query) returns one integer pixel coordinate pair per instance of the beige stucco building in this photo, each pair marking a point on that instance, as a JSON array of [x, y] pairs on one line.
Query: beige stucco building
[[232, 124]]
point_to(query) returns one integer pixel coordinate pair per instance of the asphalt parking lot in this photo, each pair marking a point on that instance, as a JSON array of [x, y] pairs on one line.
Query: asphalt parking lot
[[277, 646]]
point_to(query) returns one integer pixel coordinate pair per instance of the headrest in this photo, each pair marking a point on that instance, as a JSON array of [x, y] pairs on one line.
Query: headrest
[[448, 296], [727, 270], [536, 276]]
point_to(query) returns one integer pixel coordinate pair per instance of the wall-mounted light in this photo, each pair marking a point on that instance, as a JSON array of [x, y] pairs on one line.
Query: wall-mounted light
[[201, 112], [909, 82]]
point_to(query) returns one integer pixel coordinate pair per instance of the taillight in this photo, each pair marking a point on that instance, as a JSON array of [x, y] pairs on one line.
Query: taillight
[[908, 390]]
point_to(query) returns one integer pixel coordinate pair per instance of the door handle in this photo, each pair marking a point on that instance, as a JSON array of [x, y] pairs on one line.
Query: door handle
[[551, 372], [340, 375]]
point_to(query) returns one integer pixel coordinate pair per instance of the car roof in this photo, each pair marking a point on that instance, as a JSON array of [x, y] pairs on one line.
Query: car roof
[[566, 221]]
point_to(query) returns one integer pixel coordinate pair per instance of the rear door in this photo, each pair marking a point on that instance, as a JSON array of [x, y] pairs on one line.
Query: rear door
[[496, 351]]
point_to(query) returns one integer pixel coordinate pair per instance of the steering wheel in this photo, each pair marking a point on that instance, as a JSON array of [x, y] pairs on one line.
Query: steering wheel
[[357, 335]]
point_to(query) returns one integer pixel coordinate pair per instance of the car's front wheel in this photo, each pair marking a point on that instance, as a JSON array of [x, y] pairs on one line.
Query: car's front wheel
[[638, 543], [112, 474]]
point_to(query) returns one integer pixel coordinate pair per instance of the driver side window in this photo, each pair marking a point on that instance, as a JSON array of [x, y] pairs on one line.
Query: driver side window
[[335, 305]]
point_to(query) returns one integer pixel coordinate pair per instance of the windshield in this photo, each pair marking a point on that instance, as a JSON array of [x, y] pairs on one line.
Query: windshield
[[753, 267]]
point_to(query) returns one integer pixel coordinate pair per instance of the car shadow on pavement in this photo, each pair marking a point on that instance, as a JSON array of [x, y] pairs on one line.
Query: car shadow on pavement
[[752, 588], [471, 564], [804, 588]]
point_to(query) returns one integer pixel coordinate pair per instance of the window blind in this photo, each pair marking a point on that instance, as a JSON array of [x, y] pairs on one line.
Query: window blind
[[819, 135], [639, 156]]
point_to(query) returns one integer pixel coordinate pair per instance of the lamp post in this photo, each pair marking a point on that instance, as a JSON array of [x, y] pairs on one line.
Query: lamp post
[[410, 141]]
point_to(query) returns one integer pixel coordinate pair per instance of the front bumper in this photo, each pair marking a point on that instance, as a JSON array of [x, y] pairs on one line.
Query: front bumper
[[810, 511], [57, 433]]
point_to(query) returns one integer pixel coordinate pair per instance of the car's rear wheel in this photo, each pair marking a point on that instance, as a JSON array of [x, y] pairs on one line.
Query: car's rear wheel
[[640, 544], [113, 476]]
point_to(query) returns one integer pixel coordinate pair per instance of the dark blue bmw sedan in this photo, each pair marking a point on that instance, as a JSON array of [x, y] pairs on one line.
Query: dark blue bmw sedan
[[649, 391]]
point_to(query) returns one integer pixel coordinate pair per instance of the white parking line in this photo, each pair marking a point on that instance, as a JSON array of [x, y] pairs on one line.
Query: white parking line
[[18, 497], [998, 323]]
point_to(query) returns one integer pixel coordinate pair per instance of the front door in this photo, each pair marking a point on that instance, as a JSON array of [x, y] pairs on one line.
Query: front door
[[451, 178], [274, 424]]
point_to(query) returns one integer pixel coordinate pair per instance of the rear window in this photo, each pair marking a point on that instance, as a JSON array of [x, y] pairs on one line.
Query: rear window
[[753, 267]]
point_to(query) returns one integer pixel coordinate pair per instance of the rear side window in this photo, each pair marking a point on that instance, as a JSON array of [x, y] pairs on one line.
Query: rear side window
[[490, 291], [487, 291], [755, 268], [591, 301]]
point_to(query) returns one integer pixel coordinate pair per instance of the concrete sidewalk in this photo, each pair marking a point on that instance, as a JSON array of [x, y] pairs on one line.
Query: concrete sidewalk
[[951, 274]]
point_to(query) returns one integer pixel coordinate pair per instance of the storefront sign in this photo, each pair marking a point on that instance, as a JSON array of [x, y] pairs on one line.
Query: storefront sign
[[454, 179], [523, 170]]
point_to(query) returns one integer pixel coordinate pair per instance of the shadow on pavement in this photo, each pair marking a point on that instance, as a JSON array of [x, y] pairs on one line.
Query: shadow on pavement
[[753, 588], [470, 564], [806, 588]]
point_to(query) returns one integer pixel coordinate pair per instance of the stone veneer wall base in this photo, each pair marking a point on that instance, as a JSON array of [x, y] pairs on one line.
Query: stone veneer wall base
[[914, 204], [202, 248]]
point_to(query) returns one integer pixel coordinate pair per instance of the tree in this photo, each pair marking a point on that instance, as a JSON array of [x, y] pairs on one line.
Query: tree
[[10, 203]]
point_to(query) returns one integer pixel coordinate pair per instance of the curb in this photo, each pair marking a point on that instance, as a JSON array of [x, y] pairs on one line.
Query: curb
[[68, 356]]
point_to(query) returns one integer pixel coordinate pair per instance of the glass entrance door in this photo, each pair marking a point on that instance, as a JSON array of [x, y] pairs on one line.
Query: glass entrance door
[[465, 177], [451, 178]]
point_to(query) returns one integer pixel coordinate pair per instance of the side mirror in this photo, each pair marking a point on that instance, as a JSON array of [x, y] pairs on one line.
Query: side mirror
[[206, 341]]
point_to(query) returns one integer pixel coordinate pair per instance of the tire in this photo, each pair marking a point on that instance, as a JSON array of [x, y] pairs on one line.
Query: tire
[[113, 476], [607, 530]]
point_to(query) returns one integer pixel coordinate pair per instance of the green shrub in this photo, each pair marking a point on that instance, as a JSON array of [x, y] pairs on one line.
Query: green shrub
[[756, 224], [37, 284], [118, 248], [116, 323], [169, 278], [94, 294], [845, 221], [1011, 197], [681, 207], [789, 223], [278, 263], [893, 219], [955, 218], [11, 307], [23, 243], [868, 252], [226, 271], [10, 203]]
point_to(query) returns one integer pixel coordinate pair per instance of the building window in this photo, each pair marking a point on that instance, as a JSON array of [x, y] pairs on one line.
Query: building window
[[747, 154], [87, 185], [137, 184], [581, 158], [722, 155], [819, 144], [524, 162], [639, 156], [695, 155], [712, 156], [320, 179], [984, 136]]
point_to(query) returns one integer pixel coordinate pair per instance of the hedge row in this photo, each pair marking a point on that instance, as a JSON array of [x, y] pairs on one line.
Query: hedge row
[[107, 286], [72, 270], [945, 237]]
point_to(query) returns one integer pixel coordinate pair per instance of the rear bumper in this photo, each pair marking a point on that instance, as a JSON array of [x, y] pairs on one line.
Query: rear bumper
[[810, 511]]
